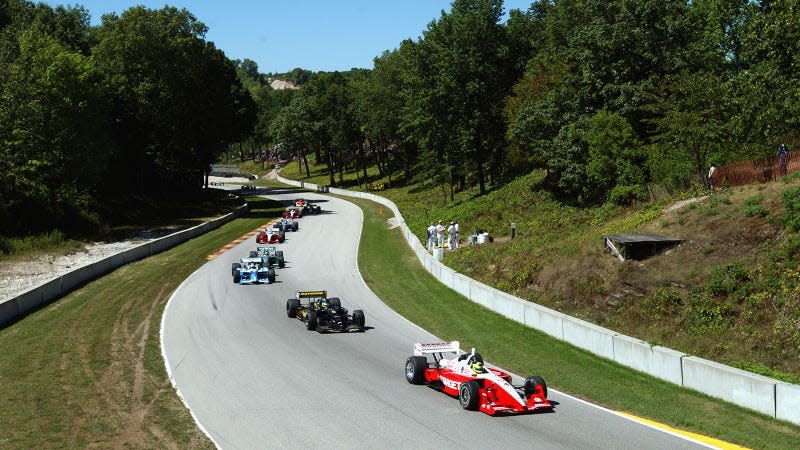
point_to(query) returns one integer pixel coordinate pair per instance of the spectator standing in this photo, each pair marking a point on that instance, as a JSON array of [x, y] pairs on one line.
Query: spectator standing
[[458, 233], [783, 159], [440, 234], [451, 235], [711, 172], [431, 237]]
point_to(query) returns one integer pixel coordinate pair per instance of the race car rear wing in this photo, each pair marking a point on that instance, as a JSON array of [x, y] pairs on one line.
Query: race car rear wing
[[312, 294], [438, 347]]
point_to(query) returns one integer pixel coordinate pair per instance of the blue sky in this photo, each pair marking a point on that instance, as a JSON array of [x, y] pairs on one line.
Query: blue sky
[[318, 35]]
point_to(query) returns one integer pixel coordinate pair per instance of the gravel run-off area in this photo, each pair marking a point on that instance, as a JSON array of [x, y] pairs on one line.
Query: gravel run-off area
[[19, 275]]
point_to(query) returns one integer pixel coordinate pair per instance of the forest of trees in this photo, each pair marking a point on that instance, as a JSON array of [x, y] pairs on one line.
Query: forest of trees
[[607, 96], [93, 113]]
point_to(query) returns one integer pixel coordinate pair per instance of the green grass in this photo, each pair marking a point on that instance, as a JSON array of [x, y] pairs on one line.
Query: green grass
[[52, 242], [557, 260], [396, 276], [86, 371], [89, 371]]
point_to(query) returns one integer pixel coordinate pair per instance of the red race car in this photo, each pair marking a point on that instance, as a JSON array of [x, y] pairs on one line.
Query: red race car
[[475, 386], [293, 212], [270, 236]]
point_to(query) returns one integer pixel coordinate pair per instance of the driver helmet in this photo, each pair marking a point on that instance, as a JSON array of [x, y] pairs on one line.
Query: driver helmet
[[323, 304], [477, 367]]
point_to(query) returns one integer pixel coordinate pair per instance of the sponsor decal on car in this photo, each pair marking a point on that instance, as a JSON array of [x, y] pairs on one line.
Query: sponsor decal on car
[[450, 383], [311, 294]]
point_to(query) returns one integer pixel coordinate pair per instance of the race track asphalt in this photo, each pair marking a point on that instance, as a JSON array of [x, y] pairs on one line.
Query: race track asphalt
[[255, 379]]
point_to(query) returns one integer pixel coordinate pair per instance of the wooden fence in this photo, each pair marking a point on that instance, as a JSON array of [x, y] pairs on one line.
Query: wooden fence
[[756, 171]]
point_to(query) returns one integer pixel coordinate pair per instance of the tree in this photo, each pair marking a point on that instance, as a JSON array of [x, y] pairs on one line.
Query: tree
[[462, 72], [54, 144], [616, 159], [378, 102], [294, 129], [157, 61], [337, 137], [690, 125]]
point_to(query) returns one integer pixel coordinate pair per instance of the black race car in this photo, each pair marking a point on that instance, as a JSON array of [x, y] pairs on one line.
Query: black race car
[[322, 313]]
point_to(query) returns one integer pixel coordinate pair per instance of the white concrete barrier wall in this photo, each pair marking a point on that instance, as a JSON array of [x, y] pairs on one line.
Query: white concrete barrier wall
[[436, 269], [30, 300], [52, 290], [481, 294], [137, 253], [447, 275], [509, 306], [589, 336], [77, 277], [56, 288], [461, 284], [787, 402], [107, 265], [8, 310], [545, 320], [731, 384], [756, 392], [658, 361]]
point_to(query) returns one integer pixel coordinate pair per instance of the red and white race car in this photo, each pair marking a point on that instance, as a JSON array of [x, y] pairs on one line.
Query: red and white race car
[[475, 386], [270, 235], [293, 212]]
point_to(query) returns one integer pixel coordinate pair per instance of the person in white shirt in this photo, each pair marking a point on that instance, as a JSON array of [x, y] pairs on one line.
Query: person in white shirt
[[458, 233], [451, 236], [440, 234], [431, 237]]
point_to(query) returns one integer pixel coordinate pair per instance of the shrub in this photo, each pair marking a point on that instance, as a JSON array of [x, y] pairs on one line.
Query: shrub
[[753, 207], [627, 195], [791, 208]]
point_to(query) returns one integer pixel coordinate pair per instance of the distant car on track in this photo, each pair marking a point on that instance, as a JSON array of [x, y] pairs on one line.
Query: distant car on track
[[272, 256], [286, 225], [307, 207], [270, 235], [293, 212], [323, 314], [463, 376], [252, 271]]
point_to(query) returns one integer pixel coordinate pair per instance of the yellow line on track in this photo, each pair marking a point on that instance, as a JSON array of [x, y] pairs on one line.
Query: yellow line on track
[[697, 437]]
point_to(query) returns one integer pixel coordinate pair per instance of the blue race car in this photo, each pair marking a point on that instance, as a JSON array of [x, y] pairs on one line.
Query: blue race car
[[286, 225], [252, 271]]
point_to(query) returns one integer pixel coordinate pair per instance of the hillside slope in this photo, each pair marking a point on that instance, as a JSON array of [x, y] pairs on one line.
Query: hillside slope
[[730, 292]]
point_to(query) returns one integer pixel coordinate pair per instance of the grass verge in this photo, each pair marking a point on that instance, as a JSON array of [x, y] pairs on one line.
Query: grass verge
[[87, 371], [415, 294]]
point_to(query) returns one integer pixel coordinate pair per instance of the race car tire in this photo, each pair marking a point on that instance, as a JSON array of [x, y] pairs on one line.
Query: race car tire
[[291, 307], [469, 395], [283, 235], [237, 277], [358, 319], [295, 226], [335, 302], [271, 275], [415, 369], [311, 320], [253, 253], [235, 268], [531, 383], [281, 261]]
